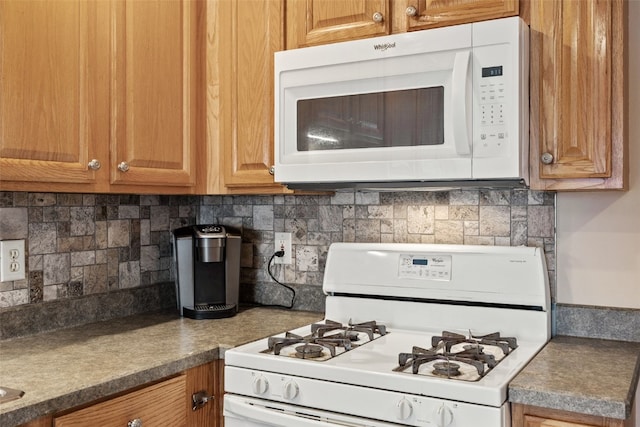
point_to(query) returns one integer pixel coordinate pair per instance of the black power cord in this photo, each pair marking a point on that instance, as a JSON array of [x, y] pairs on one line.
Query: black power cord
[[280, 254]]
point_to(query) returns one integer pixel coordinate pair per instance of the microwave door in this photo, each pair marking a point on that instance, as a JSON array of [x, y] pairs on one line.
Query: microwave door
[[412, 123]]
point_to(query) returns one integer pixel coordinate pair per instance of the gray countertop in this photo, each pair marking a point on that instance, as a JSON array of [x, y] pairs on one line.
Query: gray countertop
[[583, 375], [69, 367]]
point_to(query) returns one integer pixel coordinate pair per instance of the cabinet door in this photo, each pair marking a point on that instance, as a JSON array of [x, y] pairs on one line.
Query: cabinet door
[[423, 14], [312, 22], [249, 32], [577, 96], [202, 381], [158, 405], [53, 91], [153, 92]]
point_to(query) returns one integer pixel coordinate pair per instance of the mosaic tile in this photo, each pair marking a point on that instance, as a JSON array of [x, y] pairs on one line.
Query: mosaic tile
[[118, 233], [13, 224], [83, 258], [42, 238], [56, 268], [129, 274], [159, 218], [495, 221], [107, 242], [95, 279], [450, 232], [541, 221], [421, 219], [367, 230], [263, 217]]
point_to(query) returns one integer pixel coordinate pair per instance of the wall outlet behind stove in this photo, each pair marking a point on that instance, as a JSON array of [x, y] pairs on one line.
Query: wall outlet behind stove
[[282, 242]]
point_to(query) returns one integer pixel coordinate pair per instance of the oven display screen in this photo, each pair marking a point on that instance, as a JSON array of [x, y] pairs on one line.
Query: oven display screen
[[431, 267]]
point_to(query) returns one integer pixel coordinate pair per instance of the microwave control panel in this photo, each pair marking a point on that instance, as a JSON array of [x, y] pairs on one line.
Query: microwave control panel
[[493, 111], [493, 75]]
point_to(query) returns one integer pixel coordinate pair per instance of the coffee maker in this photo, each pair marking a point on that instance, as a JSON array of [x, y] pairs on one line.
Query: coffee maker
[[207, 261]]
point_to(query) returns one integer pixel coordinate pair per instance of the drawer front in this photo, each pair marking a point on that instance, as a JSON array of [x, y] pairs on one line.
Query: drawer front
[[158, 405]]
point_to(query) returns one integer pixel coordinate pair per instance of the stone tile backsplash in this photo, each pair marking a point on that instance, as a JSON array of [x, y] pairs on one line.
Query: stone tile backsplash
[[83, 244]]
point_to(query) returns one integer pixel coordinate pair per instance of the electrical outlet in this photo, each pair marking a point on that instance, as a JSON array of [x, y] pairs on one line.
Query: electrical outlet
[[12, 260], [283, 243]]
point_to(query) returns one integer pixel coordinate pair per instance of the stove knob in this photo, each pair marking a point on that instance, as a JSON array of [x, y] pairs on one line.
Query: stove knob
[[443, 416], [403, 409], [290, 390], [260, 385]]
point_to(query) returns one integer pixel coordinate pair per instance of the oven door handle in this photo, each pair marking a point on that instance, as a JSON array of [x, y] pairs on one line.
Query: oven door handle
[[237, 407], [461, 102]]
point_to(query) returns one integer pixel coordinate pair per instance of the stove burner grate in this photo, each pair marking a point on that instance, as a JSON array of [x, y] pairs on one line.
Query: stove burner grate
[[329, 336], [470, 351], [506, 344]]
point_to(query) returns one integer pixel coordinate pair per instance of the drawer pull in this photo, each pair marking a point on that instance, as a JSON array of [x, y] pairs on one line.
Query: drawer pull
[[135, 423], [200, 399]]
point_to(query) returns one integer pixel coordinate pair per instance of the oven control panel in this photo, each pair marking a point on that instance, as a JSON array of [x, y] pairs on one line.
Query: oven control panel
[[432, 267], [329, 399]]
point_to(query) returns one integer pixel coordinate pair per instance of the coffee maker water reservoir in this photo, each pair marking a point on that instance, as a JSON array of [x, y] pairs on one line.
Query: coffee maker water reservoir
[[207, 262]]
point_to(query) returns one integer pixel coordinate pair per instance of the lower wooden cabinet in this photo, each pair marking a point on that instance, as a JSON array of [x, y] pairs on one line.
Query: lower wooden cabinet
[[161, 404], [169, 402], [40, 422], [534, 416]]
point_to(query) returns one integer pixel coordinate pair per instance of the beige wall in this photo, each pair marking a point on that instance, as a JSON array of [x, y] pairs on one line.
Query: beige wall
[[598, 234]]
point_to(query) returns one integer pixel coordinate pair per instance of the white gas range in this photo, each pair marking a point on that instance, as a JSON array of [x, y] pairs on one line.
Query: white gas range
[[414, 335]]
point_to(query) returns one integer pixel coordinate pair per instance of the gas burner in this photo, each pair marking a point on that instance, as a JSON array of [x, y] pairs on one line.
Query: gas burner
[[420, 356], [332, 336], [446, 369], [276, 344], [348, 331], [309, 351], [449, 339]]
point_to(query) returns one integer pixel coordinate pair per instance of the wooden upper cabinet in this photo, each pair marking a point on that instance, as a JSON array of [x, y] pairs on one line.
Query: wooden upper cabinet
[[240, 48], [312, 22], [110, 81], [577, 94], [423, 14], [153, 99], [54, 77]]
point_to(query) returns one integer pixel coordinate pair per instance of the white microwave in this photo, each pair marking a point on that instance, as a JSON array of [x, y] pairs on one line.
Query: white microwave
[[446, 106]]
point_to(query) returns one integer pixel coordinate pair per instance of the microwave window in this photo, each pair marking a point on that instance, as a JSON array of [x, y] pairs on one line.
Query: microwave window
[[410, 117]]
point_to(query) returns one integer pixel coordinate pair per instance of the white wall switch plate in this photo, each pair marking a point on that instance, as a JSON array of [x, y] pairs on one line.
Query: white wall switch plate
[[282, 242], [12, 260]]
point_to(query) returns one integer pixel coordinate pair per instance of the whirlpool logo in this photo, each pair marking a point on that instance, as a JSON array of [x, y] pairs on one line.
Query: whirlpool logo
[[384, 46]]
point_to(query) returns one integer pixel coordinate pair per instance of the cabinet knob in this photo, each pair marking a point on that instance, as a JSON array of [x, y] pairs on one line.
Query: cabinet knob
[[378, 17], [546, 158], [123, 166], [94, 164], [135, 423], [272, 170], [411, 11]]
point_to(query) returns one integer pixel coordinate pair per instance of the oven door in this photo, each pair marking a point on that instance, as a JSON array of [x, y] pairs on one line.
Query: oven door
[[240, 411], [351, 113]]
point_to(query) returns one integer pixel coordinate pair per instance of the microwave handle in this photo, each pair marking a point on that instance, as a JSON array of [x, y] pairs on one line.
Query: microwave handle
[[461, 95]]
